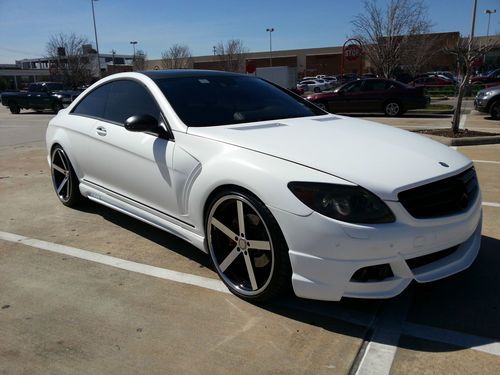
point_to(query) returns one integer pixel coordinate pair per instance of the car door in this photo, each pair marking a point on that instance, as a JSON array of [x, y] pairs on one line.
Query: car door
[[38, 97], [349, 98], [371, 96], [135, 167]]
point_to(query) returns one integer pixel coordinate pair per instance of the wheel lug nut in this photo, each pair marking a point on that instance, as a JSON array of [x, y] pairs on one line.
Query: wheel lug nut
[[237, 249]]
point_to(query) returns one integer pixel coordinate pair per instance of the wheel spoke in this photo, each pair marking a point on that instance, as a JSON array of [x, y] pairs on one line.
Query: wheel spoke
[[228, 232], [61, 157], [63, 182], [229, 259], [58, 168], [241, 218], [251, 275], [259, 245]]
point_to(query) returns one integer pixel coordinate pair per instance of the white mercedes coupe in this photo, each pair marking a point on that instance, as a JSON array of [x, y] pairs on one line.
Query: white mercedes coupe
[[276, 190]]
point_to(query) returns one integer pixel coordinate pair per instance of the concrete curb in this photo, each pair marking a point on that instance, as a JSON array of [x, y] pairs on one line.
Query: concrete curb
[[465, 141]]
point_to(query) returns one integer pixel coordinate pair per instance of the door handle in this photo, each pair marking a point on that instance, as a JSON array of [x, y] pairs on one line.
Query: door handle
[[101, 130]]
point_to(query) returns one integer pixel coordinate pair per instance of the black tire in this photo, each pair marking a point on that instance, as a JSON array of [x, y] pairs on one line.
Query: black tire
[[260, 251], [317, 89], [495, 109], [14, 108], [64, 178], [322, 105], [57, 106], [393, 108]]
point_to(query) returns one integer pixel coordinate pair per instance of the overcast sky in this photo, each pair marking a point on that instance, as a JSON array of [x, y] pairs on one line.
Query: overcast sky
[[26, 25]]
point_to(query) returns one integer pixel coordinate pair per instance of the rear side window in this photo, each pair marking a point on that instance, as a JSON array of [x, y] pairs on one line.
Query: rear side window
[[129, 98], [93, 104]]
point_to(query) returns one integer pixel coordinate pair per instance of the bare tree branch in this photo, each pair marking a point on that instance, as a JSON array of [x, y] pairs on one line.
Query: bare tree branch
[[385, 32], [140, 60], [66, 51], [467, 51], [232, 55], [176, 57]]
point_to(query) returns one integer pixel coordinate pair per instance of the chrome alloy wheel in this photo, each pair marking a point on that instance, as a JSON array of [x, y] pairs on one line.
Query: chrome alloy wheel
[[240, 245], [61, 174], [392, 109]]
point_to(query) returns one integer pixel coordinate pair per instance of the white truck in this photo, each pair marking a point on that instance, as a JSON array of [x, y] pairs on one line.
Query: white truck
[[283, 76]]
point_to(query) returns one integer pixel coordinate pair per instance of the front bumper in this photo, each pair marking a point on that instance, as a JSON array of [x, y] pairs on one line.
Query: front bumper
[[481, 104], [325, 253]]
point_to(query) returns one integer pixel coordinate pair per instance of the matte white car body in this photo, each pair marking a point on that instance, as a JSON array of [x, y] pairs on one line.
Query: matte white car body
[[174, 179]]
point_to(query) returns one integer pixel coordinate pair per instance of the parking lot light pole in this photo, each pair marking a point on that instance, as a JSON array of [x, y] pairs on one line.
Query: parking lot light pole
[[270, 31], [133, 58], [95, 33], [489, 12]]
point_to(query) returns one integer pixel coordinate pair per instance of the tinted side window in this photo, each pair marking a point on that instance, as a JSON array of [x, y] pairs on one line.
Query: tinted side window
[[129, 98], [94, 103]]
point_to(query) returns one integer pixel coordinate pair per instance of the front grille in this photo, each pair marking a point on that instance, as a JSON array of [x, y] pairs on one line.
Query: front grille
[[445, 197], [430, 258]]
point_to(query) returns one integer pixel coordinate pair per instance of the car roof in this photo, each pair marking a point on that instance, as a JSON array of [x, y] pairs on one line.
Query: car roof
[[178, 73]]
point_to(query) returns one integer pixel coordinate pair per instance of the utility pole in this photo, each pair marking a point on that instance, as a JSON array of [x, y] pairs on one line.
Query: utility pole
[[215, 50], [133, 58], [96, 42], [489, 12], [270, 31]]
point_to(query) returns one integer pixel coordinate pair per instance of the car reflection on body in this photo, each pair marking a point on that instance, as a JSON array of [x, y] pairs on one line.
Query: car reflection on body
[[274, 189]]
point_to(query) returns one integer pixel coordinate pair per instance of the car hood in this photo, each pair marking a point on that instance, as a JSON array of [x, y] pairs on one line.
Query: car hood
[[380, 158]]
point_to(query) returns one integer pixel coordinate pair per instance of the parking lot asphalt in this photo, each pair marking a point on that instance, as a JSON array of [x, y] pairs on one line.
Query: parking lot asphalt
[[128, 304]]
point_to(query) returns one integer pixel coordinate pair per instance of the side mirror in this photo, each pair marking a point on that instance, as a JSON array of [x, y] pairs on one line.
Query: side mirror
[[141, 123]]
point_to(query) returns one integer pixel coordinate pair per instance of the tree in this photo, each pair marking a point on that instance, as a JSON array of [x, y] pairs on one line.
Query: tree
[[232, 55], [67, 52], [176, 57], [468, 51], [385, 32], [419, 51], [140, 60]]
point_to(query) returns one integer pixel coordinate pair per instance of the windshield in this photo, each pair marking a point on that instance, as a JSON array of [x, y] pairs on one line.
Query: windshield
[[222, 100]]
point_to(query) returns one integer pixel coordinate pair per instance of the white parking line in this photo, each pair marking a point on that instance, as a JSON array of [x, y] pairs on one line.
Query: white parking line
[[453, 338], [162, 273], [386, 332], [491, 204], [486, 161], [381, 349], [461, 124]]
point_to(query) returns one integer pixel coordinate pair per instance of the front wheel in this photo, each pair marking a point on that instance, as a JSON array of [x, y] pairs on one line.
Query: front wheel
[[64, 178], [495, 110], [57, 106], [14, 108], [317, 89], [247, 247], [393, 109]]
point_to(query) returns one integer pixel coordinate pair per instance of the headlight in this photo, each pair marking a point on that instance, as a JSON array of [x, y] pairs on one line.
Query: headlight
[[351, 204]]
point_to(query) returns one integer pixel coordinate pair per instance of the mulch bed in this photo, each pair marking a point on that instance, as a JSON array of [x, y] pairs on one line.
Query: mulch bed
[[449, 133]]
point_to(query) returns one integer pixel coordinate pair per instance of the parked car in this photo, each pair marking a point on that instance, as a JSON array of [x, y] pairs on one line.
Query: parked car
[[311, 85], [40, 96], [369, 75], [343, 78], [491, 77], [431, 81], [445, 73], [488, 101], [326, 83], [274, 189], [372, 95]]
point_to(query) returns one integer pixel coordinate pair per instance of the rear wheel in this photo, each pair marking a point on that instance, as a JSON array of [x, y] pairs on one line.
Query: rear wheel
[[321, 105], [14, 108], [393, 109], [64, 179], [57, 106], [246, 246], [495, 110], [317, 89]]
